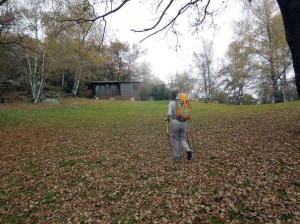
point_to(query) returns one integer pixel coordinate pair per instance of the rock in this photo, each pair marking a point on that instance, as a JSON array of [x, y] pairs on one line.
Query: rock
[[51, 101]]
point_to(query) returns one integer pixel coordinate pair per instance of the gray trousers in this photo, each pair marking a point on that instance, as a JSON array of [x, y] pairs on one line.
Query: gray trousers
[[179, 137]]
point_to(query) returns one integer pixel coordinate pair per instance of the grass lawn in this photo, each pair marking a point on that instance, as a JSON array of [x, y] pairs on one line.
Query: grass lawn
[[91, 161]]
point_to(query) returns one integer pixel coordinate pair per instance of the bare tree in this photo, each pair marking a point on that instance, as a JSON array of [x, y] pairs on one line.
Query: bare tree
[[119, 61], [203, 61], [35, 51], [184, 82]]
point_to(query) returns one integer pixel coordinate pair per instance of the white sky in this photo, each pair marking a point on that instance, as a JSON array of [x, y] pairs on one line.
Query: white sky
[[163, 58]]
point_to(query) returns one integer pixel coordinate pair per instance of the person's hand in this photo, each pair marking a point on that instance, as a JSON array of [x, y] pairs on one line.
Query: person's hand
[[166, 118]]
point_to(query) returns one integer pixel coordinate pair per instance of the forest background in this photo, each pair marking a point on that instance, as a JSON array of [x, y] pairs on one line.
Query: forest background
[[45, 52]]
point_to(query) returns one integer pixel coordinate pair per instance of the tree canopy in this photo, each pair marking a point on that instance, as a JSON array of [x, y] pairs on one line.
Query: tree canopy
[[82, 25]]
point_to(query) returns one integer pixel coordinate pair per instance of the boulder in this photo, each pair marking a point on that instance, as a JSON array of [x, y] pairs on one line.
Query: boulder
[[51, 101]]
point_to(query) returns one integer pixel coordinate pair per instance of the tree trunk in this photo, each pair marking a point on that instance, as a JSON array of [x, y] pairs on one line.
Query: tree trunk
[[42, 81], [75, 86], [76, 81], [276, 93], [290, 10], [63, 81], [284, 87], [205, 86]]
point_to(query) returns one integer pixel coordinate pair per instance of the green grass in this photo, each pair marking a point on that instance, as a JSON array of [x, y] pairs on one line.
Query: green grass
[[83, 112], [214, 220], [12, 219], [51, 198], [66, 163], [90, 112]]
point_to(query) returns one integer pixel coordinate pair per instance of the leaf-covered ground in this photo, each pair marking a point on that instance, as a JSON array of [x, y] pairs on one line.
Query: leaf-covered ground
[[110, 162]]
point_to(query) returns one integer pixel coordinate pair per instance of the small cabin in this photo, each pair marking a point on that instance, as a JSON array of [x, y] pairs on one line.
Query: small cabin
[[120, 90]]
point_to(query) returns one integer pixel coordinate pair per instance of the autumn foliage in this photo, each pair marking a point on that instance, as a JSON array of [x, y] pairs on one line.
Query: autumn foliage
[[88, 161]]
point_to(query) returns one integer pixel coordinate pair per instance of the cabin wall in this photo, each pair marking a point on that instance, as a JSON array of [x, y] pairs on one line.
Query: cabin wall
[[120, 91], [130, 90]]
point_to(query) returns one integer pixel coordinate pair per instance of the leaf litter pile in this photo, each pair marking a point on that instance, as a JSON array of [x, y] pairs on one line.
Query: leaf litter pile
[[110, 162]]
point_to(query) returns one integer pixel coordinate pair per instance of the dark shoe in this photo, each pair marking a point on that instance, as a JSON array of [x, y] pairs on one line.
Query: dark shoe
[[189, 155]]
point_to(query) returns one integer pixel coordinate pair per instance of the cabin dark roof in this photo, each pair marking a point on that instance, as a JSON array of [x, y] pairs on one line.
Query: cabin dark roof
[[104, 82]]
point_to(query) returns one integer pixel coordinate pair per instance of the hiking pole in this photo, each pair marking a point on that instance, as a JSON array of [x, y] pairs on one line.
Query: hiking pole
[[188, 138], [168, 133]]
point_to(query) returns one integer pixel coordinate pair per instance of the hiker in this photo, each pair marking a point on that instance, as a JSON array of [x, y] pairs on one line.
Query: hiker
[[178, 128]]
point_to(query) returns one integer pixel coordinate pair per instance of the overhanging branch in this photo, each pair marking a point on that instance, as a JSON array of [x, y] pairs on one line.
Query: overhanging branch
[[173, 20], [2, 2]]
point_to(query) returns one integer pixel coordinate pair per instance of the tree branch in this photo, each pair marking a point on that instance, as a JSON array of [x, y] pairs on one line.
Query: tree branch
[[170, 23], [80, 20], [159, 20], [2, 2], [173, 20]]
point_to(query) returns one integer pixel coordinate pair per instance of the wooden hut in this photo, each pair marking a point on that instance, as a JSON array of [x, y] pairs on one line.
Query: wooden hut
[[121, 90]]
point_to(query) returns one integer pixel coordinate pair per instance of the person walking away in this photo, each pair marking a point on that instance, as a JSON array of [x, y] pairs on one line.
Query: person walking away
[[179, 126]]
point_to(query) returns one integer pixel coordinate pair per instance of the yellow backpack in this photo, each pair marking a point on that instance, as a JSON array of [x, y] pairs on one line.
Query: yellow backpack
[[183, 111]]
